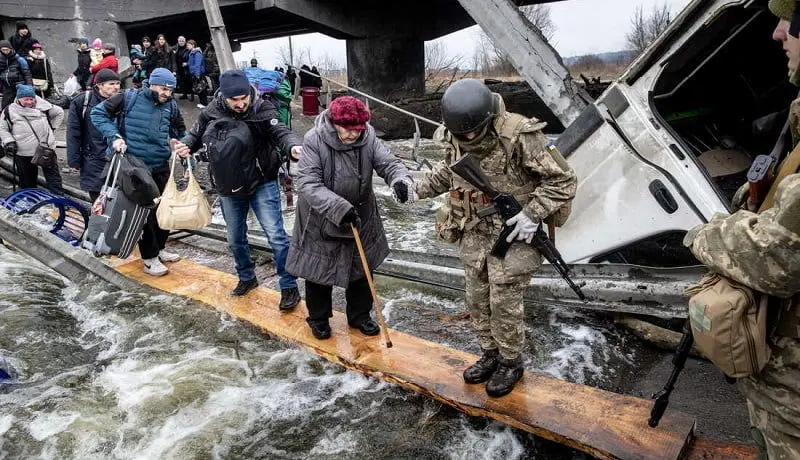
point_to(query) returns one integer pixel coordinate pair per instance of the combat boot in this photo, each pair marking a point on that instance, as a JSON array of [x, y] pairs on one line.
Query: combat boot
[[508, 373], [483, 369]]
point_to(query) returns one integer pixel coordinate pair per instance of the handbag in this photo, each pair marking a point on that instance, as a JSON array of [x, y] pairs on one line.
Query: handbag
[[44, 156], [181, 210], [40, 84]]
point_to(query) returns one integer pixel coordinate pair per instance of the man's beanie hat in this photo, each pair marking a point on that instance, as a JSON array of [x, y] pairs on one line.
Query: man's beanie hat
[[84, 41], [783, 9], [5, 44], [234, 83], [21, 25], [349, 113], [105, 75], [25, 91], [162, 77]]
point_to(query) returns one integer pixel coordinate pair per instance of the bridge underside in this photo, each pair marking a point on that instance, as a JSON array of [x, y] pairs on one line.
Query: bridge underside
[[385, 40]]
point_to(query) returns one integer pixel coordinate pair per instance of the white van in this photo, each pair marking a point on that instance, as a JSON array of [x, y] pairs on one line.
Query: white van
[[667, 145]]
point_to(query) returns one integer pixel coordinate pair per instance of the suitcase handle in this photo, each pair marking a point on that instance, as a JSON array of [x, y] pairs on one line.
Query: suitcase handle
[[121, 224], [118, 157]]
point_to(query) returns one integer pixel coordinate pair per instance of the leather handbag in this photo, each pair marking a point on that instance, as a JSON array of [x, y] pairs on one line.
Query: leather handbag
[[44, 156]]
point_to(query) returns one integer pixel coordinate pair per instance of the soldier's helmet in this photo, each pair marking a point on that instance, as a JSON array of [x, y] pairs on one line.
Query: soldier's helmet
[[467, 106]]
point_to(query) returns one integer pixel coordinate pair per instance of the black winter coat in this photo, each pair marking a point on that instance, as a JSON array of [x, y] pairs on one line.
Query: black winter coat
[[14, 70], [263, 121], [86, 146], [181, 57], [84, 63], [22, 45], [160, 58]]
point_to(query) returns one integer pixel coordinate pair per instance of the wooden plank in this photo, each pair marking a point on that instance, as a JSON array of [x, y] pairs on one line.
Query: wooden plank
[[708, 449], [601, 423]]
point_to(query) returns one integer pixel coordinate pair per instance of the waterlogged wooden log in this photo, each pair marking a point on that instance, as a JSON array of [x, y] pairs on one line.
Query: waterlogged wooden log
[[601, 423]]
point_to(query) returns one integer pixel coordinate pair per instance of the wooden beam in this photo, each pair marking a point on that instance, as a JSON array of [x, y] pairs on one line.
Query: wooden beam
[[601, 423]]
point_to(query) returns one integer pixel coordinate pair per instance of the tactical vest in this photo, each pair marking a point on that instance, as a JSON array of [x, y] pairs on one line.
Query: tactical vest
[[502, 166]]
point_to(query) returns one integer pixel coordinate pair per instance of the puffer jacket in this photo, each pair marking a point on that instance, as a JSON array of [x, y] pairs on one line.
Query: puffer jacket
[[22, 45], [197, 67], [43, 118], [333, 178], [148, 126], [14, 70]]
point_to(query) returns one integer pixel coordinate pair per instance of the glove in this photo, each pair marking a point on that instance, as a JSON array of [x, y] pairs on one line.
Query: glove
[[352, 218], [11, 148], [524, 228], [403, 190]]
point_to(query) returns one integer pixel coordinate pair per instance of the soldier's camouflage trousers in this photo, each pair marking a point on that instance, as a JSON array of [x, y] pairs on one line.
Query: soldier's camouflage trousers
[[773, 401], [494, 291]]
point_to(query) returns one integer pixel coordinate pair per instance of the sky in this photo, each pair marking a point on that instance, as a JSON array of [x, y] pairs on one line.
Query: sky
[[582, 27]]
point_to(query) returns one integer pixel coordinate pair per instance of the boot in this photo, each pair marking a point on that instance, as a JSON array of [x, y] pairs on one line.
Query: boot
[[321, 331], [368, 327], [243, 287], [483, 369], [508, 373], [191, 98], [289, 299]]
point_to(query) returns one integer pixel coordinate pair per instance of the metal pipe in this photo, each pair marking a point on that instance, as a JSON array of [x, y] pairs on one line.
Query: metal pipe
[[219, 37]]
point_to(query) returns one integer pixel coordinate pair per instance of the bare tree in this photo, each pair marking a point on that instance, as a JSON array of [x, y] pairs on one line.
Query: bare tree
[[440, 67], [495, 61], [646, 28], [539, 15]]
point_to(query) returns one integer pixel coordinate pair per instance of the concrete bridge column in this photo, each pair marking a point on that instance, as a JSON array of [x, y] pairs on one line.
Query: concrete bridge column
[[387, 67]]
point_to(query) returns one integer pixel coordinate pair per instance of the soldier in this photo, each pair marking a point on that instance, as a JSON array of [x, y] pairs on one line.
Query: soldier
[[762, 251], [518, 159]]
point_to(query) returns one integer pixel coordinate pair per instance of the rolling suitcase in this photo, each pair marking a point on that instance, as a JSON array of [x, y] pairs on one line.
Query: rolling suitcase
[[116, 230]]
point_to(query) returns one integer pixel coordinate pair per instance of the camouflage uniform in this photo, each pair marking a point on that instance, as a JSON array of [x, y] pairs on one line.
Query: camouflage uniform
[[518, 159], [762, 251]]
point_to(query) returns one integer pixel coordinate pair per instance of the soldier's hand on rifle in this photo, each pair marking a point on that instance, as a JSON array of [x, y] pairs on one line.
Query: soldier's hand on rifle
[[403, 190], [524, 228]]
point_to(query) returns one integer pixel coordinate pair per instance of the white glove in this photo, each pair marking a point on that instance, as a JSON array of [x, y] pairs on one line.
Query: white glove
[[524, 228], [411, 192]]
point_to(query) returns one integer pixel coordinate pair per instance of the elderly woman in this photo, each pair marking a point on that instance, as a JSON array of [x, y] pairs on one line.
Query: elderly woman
[[335, 191]]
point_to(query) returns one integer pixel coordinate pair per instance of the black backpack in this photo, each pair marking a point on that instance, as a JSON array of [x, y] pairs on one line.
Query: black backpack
[[232, 162]]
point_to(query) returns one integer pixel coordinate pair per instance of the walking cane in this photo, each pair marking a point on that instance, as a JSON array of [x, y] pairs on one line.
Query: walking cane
[[376, 301]]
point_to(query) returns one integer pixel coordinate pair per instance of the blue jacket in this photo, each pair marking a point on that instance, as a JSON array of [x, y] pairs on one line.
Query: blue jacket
[[146, 125], [197, 66], [86, 146]]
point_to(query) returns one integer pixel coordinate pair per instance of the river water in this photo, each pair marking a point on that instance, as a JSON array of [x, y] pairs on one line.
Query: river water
[[98, 373]]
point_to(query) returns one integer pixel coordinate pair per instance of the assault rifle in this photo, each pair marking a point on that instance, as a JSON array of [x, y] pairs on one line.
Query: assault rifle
[[508, 206], [678, 361]]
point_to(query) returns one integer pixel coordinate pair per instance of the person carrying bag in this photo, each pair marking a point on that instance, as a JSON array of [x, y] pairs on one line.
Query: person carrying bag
[[184, 209]]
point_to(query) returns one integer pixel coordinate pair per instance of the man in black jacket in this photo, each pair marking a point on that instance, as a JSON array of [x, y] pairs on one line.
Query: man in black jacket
[[86, 146], [247, 178], [13, 71], [22, 41]]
